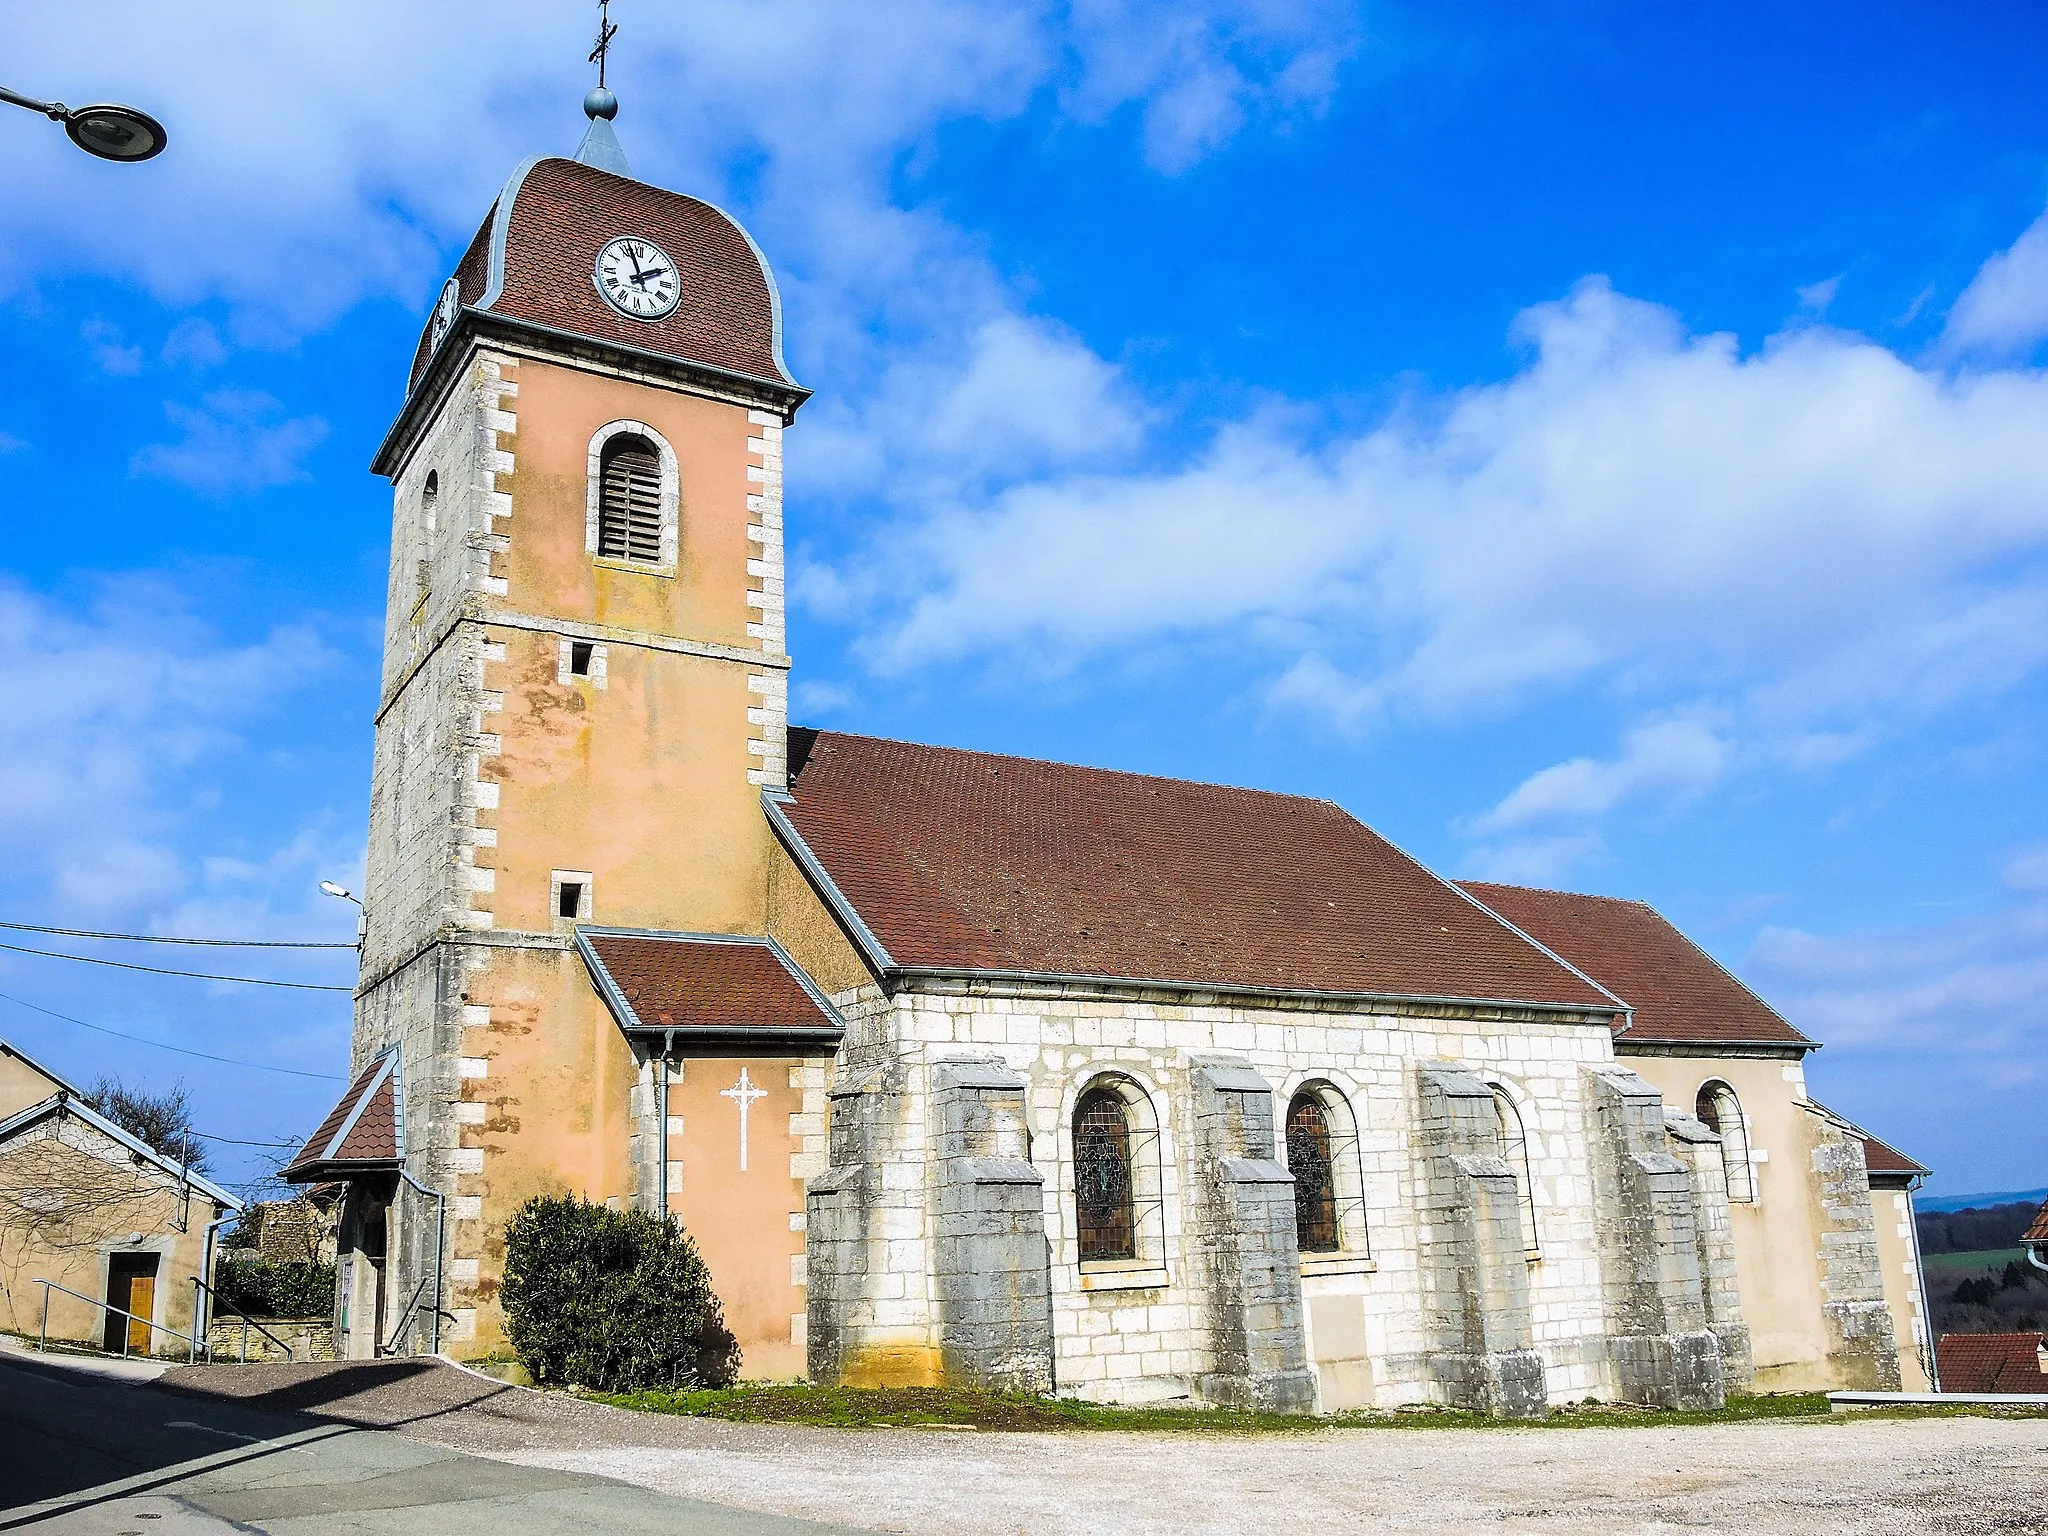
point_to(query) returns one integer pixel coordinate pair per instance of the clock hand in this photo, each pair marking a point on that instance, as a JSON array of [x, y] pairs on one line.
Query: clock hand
[[642, 279]]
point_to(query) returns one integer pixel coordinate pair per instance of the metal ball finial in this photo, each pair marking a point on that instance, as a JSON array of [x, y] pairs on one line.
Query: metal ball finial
[[601, 103]]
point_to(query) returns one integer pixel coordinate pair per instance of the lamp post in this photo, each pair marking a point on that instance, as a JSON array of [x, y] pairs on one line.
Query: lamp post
[[328, 887], [106, 129]]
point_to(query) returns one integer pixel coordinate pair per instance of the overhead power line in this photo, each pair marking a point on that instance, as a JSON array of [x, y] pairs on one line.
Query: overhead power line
[[157, 938], [232, 1061], [157, 970]]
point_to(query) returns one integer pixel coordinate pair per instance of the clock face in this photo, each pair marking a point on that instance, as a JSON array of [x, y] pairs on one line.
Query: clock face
[[637, 278], [445, 310]]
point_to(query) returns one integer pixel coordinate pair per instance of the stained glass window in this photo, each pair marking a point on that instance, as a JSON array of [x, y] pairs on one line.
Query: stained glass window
[[1102, 1176], [1315, 1188]]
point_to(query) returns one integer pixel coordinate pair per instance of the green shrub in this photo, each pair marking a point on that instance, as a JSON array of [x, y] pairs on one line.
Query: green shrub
[[263, 1289], [612, 1300]]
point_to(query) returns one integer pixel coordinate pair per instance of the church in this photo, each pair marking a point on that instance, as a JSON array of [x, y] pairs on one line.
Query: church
[[970, 1069]]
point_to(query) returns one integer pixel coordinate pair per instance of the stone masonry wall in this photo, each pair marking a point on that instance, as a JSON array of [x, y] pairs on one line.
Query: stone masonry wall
[[1134, 1331]]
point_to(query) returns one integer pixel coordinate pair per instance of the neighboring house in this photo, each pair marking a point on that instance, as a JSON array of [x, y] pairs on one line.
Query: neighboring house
[[2035, 1240], [1994, 1362], [297, 1231], [1830, 1284], [94, 1209], [964, 1068]]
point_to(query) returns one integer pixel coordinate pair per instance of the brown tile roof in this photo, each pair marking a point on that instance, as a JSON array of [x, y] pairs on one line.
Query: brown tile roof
[[1880, 1158], [364, 1132], [1991, 1362], [704, 982], [2038, 1232], [563, 212], [1679, 993], [960, 860]]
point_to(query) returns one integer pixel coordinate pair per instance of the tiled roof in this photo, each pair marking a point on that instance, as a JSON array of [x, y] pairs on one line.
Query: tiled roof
[[717, 983], [364, 1132], [2038, 1232], [563, 212], [1878, 1157], [960, 860], [1680, 995], [1991, 1362]]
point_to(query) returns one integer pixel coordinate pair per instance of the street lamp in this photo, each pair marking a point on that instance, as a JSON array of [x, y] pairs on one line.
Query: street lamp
[[334, 890], [106, 128]]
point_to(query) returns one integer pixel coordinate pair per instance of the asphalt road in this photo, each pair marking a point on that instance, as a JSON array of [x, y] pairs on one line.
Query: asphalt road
[[87, 1453]]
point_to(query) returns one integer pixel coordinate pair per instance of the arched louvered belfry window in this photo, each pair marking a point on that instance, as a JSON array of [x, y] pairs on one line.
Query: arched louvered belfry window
[[1721, 1112], [1312, 1161], [629, 499], [1103, 1186], [1514, 1148]]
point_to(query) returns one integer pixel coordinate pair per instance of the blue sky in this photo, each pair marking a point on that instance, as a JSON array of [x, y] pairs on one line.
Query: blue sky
[[1600, 446]]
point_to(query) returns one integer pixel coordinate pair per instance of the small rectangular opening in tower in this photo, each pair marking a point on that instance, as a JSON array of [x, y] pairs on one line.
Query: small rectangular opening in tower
[[569, 901], [579, 660]]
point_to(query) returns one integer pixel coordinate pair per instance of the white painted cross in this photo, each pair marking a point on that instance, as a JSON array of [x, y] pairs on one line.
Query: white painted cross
[[743, 1093]]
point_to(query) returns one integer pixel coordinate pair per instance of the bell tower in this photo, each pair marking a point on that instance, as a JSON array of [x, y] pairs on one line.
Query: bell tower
[[583, 702]]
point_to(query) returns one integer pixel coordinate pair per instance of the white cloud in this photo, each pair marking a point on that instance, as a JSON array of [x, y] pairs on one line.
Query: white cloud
[[1972, 991], [104, 721], [236, 441], [194, 343], [388, 126], [1667, 758], [2027, 869], [2004, 311], [110, 352], [1816, 541], [9, 443]]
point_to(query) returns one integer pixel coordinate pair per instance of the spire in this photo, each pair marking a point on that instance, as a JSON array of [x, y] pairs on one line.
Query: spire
[[600, 146]]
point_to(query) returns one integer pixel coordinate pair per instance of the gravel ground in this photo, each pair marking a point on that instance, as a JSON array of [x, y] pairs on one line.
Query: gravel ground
[[1842, 1475]]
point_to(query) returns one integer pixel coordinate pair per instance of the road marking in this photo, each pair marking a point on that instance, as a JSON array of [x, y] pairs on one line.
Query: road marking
[[229, 1434]]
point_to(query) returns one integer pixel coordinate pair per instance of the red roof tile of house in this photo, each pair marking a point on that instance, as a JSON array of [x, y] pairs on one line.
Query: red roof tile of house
[[1992, 1362], [563, 212], [2038, 1232], [1679, 993], [362, 1133], [959, 860], [1881, 1158], [704, 982]]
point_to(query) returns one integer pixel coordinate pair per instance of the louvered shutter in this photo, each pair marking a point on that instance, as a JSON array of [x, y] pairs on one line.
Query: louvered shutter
[[629, 501]]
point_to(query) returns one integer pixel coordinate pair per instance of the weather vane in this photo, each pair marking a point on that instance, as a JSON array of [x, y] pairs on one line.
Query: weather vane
[[607, 29]]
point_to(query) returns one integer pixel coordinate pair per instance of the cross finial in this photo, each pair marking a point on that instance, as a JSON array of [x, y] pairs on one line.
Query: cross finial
[[607, 29]]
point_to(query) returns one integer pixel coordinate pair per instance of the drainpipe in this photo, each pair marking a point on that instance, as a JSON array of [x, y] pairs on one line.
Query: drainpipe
[[440, 1242], [668, 1045], [1928, 1355], [203, 1307]]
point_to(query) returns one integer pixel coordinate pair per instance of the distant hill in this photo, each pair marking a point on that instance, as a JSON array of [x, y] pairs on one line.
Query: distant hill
[[2032, 1197], [1978, 1229]]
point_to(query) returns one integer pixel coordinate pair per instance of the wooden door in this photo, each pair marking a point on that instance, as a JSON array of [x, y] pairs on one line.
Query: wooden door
[[142, 1302]]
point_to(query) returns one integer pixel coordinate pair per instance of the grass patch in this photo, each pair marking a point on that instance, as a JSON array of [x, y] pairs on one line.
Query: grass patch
[[1990, 1258], [937, 1407]]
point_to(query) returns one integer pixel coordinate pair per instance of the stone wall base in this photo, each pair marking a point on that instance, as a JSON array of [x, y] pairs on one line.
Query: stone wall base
[[1669, 1370], [1508, 1383]]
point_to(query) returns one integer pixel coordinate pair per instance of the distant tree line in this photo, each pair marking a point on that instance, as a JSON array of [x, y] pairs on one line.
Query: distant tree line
[[1975, 1230]]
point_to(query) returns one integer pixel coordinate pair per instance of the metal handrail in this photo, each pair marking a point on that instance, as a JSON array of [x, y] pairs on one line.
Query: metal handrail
[[214, 1297], [405, 1318], [43, 1339]]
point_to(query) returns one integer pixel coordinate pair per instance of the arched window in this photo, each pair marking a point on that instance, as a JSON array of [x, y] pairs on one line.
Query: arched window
[[1103, 1186], [1309, 1159], [629, 499], [1514, 1147], [430, 493], [1721, 1112]]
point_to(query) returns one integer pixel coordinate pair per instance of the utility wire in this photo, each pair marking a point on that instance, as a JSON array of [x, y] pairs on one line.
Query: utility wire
[[256, 1066], [157, 970], [157, 938], [282, 1146]]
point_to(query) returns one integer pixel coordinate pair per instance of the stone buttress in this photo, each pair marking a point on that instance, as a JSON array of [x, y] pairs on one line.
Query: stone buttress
[[1699, 1148], [1660, 1347], [1241, 1247], [1474, 1267]]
